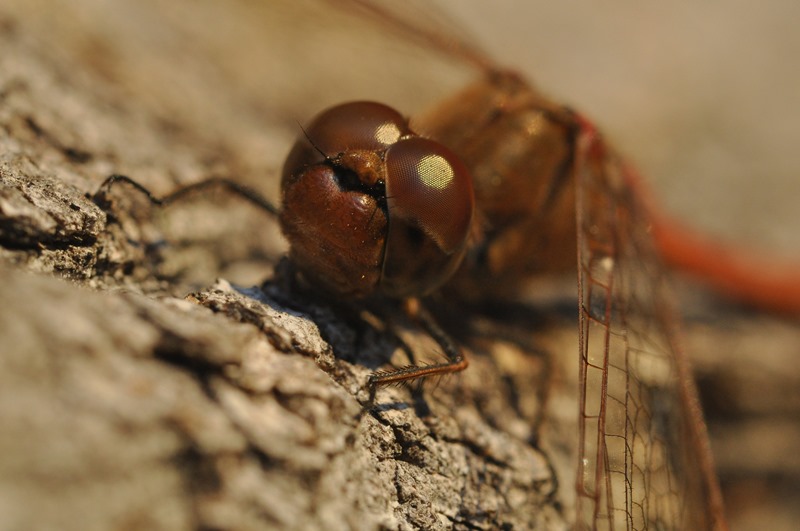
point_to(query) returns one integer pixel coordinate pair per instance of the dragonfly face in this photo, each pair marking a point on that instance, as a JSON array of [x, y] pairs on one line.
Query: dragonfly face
[[369, 207]]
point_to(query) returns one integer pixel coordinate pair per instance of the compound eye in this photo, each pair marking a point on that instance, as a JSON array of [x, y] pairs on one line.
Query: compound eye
[[430, 202], [357, 125]]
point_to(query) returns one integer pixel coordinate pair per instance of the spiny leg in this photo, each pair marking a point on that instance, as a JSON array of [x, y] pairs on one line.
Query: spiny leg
[[455, 357]]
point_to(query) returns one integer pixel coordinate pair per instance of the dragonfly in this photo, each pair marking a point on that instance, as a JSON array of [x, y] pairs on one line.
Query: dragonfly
[[371, 208], [545, 183], [643, 458]]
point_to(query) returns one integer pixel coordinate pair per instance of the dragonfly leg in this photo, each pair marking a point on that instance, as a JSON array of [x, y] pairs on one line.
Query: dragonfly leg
[[214, 182], [455, 357]]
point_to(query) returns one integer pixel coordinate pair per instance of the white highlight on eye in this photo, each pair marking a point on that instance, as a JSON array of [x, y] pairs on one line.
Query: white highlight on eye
[[387, 133], [435, 171], [535, 124]]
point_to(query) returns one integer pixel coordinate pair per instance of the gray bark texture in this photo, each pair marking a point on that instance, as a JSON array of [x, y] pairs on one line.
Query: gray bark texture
[[144, 384]]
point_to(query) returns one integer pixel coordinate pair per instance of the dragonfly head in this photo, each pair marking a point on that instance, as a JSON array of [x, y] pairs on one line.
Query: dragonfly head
[[369, 207]]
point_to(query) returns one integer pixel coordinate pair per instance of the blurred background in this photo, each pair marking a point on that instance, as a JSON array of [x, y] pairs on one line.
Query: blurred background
[[704, 97]]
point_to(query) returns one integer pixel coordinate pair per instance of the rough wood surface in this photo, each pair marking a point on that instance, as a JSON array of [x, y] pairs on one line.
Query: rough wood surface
[[124, 404], [127, 404]]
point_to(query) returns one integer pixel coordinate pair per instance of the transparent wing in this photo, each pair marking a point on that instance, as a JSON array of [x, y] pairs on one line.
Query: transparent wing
[[644, 461]]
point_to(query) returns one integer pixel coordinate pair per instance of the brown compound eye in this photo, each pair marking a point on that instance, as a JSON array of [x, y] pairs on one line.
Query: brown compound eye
[[369, 207], [358, 125], [431, 202]]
